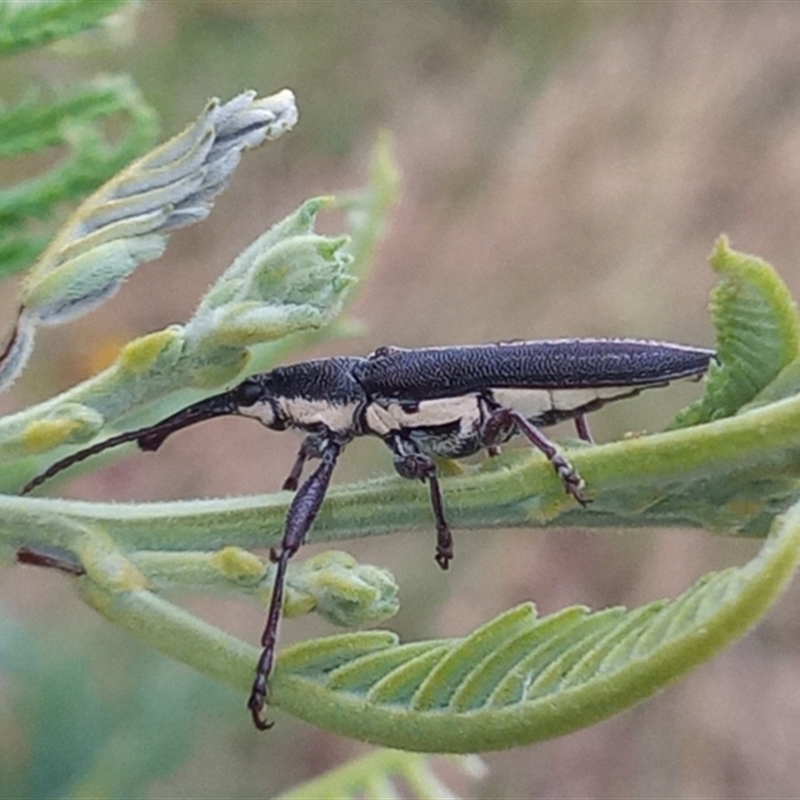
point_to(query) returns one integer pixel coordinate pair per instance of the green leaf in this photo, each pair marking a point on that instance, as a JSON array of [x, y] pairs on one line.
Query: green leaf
[[72, 121], [367, 210], [32, 24], [127, 220], [288, 279], [375, 776], [139, 726], [757, 334], [520, 678], [517, 679]]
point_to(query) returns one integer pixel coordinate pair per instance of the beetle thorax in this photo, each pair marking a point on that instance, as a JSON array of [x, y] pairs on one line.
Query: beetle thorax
[[313, 414], [312, 396]]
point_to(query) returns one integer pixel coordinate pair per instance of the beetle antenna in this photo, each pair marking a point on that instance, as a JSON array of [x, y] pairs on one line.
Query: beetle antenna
[[149, 438]]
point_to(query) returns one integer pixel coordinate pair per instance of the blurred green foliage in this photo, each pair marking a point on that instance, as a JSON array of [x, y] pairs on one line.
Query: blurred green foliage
[[81, 718], [70, 123]]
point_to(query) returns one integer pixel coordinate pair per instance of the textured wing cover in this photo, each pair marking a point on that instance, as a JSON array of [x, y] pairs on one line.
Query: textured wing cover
[[559, 364]]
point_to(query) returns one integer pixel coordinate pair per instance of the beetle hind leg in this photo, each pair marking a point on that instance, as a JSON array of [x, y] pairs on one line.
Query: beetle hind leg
[[501, 418]]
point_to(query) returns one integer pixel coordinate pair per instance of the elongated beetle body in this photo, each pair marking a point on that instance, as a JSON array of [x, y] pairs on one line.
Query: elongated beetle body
[[429, 403]]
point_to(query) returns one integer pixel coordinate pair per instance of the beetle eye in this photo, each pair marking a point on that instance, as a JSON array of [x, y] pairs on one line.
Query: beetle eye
[[248, 393]]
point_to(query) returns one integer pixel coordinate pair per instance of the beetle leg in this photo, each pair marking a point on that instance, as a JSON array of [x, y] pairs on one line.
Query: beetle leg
[[312, 447], [496, 428], [293, 478], [582, 426], [302, 513], [414, 465], [569, 475], [572, 481], [444, 537], [493, 429]]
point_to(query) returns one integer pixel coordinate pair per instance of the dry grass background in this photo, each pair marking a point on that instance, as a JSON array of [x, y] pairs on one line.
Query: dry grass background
[[566, 168]]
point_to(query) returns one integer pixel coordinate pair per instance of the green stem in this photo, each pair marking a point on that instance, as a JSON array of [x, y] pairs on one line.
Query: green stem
[[114, 587], [732, 475]]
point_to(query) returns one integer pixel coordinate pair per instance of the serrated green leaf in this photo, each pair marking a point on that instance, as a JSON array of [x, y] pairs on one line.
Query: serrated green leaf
[[758, 330], [435, 690], [24, 25], [519, 679]]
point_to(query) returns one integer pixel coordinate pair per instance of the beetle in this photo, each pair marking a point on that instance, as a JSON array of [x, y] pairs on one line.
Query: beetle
[[425, 404]]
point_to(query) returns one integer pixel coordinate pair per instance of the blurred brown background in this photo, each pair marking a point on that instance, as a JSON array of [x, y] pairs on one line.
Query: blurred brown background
[[566, 168]]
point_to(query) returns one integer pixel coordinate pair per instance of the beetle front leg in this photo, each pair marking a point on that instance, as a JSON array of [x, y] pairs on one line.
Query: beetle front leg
[[312, 447], [416, 466], [300, 518]]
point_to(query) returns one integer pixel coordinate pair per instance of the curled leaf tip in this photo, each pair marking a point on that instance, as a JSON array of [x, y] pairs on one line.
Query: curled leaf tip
[[758, 334], [289, 279], [347, 593], [126, 221]]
